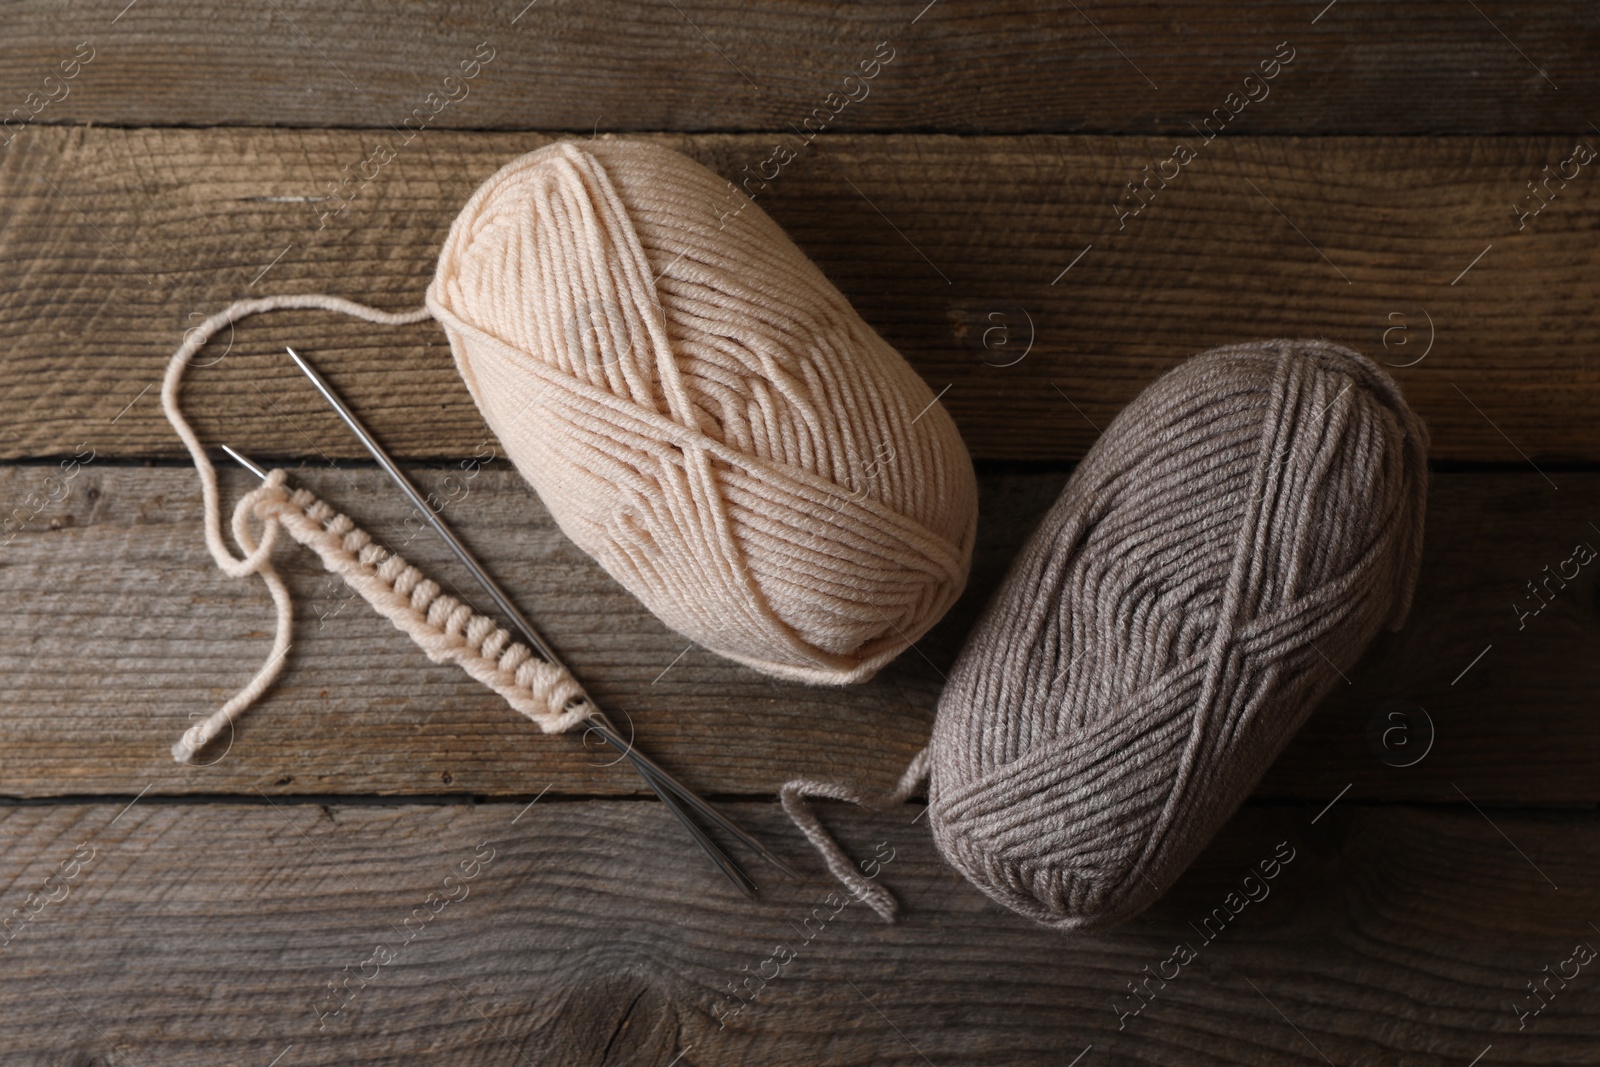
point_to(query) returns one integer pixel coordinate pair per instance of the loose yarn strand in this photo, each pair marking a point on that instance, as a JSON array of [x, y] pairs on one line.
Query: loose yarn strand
[[257, 554], [793, 796]]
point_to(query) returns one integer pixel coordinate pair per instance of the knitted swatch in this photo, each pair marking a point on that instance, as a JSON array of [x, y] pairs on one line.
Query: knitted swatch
[[448, 630]]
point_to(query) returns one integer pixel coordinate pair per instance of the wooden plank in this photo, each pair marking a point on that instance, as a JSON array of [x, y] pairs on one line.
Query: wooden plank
[[123, 239], [1122, 66], [121, 632], [585, 934]]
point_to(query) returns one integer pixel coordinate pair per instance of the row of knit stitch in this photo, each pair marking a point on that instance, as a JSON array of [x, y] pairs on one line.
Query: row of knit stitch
[[448, 630]]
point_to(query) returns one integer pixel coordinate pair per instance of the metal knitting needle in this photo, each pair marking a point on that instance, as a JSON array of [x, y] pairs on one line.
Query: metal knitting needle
[[656, 776], [248, 464], [728, 867]]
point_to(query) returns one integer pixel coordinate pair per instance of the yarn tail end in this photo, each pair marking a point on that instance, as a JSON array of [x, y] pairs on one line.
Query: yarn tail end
[[793, 798], [187, 748]]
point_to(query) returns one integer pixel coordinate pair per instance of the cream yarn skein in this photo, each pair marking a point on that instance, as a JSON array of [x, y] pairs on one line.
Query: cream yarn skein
[[704, 413]]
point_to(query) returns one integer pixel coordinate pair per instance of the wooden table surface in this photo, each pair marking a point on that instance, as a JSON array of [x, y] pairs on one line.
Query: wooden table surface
[[1417, 183]]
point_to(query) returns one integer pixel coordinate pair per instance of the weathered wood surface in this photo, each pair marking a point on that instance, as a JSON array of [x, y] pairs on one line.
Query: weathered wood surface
[[117, 241], [121, 632], [587, 934], [1394, 67]]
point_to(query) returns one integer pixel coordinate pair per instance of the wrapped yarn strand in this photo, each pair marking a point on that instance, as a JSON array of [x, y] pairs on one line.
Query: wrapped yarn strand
[[1222, 555]]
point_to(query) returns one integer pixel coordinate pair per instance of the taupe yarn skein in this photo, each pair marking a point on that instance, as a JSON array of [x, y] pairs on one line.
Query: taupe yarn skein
[[1230, 545]]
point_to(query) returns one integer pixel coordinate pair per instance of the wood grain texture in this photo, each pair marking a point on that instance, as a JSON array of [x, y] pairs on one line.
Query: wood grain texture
[[1023, 65], [953, 248], [121, 633], [969, 207], [589, 936]]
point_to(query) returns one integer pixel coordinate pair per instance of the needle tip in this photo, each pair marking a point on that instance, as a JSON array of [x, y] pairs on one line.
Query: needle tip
[[246, 463]]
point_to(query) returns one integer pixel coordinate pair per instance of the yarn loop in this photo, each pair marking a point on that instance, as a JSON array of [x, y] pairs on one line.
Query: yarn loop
[[448, 630]]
